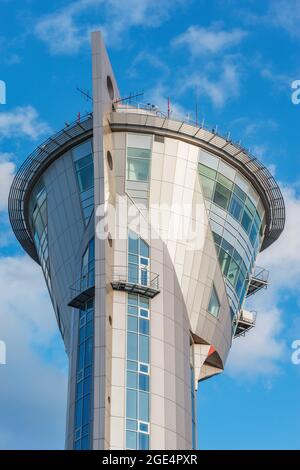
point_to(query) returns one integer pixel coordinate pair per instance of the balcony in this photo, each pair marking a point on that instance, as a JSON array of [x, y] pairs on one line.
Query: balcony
[[258, 280], [83, 289], [138, 281], [245, 322]]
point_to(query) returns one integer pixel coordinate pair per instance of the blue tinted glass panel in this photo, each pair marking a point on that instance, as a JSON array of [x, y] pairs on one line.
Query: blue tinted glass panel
[[131, 404], [132, 346], [143, 348]]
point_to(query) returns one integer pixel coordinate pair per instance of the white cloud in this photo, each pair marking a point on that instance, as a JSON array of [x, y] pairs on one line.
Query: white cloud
[[33, 387], [218, 82], [201, 41], [259, 351], [286, 14], [263, 350], [68, 29], [22, 122]]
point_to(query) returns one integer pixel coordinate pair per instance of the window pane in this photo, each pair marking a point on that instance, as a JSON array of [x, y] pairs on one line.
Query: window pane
[[214, 304], [138, 153], [131, 424], [239, 193], [133, 243], [143, 301], [144, 313], [208, 187], [132, 273], [132, 346], [144, 326], [144, 382], [206, 171], [222, 196], [132, 310], [86, 410], [131, 440], [250, 206], [225, 181], [246, 220], [144, 406], [138, 170], [224, 259], [232, 272], [132, 380], [143, 441], [235, 207], [78, 414], [132, 323], [253, 234], [132, 299], [143, 348], [131, 404], [144, 249]]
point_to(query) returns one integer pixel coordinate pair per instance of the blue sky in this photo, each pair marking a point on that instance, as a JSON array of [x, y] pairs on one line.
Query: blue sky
[[237, 61]]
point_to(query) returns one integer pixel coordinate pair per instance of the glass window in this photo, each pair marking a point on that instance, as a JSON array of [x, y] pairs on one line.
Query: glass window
[[138, 153], [239, 192], [143, 326], [206, 171], [132, 346], [253, 234], [143, 348], [246, 220], [233, 272], [144, 406], [132, 323], [222, 196], [208, 187], [132, 380], [133, 243], [225, 181], [214, 304], [138, 169], [131, 424], [144, 382], [85, 173], [143, 441], [250, 206], [224, 259], [235, 207], [131, 440], [144, 248], [131, 404]]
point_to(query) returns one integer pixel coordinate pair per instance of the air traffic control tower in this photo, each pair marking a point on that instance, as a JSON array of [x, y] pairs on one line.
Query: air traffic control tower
[[147, 229]]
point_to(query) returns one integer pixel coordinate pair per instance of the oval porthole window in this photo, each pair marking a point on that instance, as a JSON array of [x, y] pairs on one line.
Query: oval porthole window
[[110, 87], [110, 160]]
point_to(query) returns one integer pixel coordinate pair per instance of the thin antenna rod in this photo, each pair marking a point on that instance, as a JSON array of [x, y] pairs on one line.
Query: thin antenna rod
[[85, 94], [169, 107], [129, 97]]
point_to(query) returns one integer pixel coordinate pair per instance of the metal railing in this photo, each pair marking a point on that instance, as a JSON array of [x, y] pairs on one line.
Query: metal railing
[[261, 274], [245, 322], [139, 276], [86, 280], [257, 280]]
